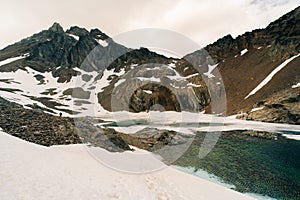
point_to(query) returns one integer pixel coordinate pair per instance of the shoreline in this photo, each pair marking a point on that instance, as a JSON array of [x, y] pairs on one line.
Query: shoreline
[[47, 170], [215, 179]]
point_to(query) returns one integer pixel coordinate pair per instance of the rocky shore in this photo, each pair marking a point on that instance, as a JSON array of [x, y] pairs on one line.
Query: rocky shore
[[282, 107], [35, 126]]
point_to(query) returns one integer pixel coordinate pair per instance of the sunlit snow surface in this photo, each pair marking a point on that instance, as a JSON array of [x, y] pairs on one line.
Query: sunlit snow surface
[[29, 171]]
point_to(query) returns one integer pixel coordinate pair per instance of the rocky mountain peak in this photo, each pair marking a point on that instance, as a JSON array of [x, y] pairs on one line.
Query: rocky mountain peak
[[80, 32], [54, 48], [57, 28], [96, 33], [287, 21], [282, 34], [75, 30], [243, 62]]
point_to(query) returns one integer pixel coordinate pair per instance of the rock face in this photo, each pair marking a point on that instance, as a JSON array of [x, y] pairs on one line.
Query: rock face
[[58, 51], [244, 62], [150, 85], [152, 139], [87, 55], [282, 35], [282, 107], [41, 128], [78, 93], [36, 126]]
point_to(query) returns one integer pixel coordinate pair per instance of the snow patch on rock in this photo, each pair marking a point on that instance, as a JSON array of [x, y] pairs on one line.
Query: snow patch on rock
[[270, 76]]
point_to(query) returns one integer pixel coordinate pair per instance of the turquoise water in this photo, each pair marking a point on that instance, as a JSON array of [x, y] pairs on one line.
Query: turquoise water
[[262, 168], [213, 178], [204, 175], [270, 168]]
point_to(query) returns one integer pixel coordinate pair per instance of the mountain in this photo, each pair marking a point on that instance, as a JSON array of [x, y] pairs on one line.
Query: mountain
[[55, 70], [53, 81], [79, 72], [260, 69]]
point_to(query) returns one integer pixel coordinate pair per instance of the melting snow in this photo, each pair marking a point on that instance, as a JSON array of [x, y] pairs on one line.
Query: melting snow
[[148, 91], [133, 65], [210, 69], [297, 85], [244, 51], [256, 109], [30, 86], [103, 82], [103, 43], [9, 60], [292, 136], [154, 68], [120, 82], [192, 75], [74, 36], [270, 76], [193, 85], [177, 76], [152, 79]]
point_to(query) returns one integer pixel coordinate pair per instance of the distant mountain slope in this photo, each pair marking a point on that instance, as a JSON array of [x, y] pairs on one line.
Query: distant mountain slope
[[77, 71], [245, 62], [81, 72]]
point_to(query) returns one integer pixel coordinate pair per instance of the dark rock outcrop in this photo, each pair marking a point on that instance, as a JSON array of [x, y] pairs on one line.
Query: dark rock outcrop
[[283, 34], [78, 93], [35, 126], [282, 107], [57, 51]]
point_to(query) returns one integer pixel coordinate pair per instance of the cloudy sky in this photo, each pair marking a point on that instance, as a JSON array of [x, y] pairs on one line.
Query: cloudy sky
[[203, 21]]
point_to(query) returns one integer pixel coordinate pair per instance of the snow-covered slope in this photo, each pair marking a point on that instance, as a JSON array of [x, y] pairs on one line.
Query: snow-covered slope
[[79, 96], [29, 171], [22, 87], [74, 72]]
